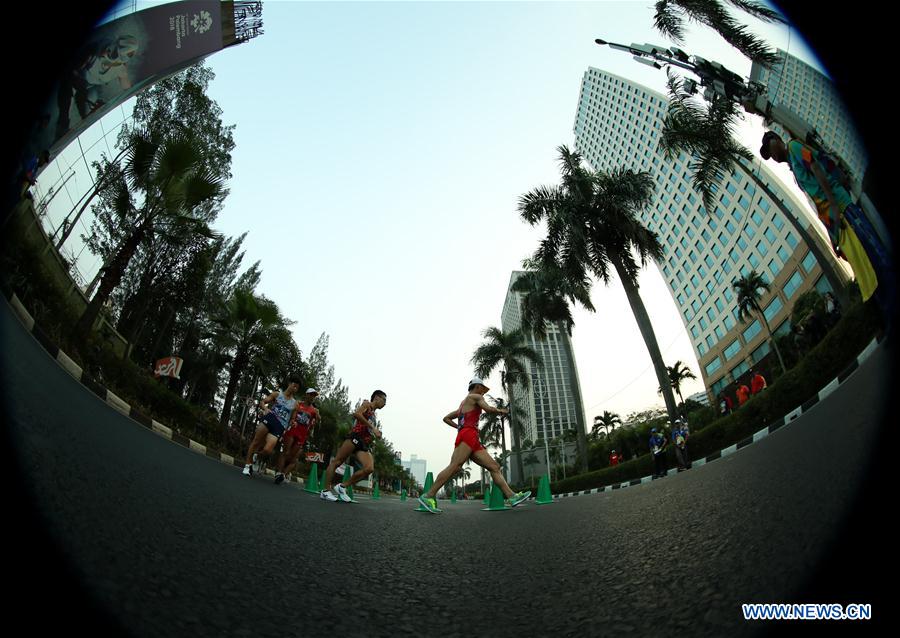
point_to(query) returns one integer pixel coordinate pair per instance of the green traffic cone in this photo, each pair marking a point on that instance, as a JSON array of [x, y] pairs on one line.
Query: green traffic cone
[[496, 503], [487, 495], [429, 481], [376, 493], [347, 475], [544, 496], [453, 496], [312, 483], [402, 494]]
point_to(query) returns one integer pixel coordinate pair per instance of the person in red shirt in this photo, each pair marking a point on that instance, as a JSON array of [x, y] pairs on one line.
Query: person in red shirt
[[757, 383], [305, 418], [743, 393], [614, 458]]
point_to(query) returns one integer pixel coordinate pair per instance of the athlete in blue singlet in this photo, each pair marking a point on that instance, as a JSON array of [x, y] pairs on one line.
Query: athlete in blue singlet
[[278, 412]]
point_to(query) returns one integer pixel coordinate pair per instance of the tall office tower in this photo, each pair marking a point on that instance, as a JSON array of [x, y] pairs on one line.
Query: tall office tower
[[811, 95], [618, 124], [416, 467], [552, 401]]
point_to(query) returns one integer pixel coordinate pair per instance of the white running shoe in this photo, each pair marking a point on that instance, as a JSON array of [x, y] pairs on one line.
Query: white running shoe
[[246, 471], [326, 495], [342, 493]]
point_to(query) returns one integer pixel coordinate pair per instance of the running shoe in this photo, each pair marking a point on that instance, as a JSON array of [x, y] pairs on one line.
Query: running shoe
[[257, 464], [341, 491], [429, 503], [247, 471], [279, 477], [517, 498], [326, 495]]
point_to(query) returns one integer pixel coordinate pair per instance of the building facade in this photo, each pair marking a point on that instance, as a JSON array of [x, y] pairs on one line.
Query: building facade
[[618, 124], [552, 400], [416, 467]]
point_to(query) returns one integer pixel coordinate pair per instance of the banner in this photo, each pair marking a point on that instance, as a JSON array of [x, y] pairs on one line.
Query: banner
[[315, 457], [168, 367], [123, 56]]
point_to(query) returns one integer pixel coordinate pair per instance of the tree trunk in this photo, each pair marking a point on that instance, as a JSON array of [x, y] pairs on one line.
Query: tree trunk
[[514, 431], [646, 328], [827, 263], [111, 278], [237, 368], [772, 340]]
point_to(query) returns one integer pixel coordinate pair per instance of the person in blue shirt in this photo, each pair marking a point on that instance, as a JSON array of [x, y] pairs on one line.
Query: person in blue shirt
[[680, 435], [657, 449]]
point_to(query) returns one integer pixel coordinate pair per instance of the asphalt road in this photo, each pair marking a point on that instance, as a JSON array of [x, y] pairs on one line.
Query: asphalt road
[[112, 527]]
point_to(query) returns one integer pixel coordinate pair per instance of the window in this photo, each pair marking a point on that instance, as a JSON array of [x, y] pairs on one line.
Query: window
[[730, 227], [703, 296], [695, 304], [754, 261], [742, 244], [762, 248], [734, 255], [692, 257], [705, 234], [695, 281], [809, 262], [753, 330], [729, 322], [719, 332], [710, 342], [772, 309], [757, 218], [823, 286], [716, 250], [695, 332], [709, 261], [703, 324], [719, 305], [778, 222], [792, 285], [743, 202], [760, 352], [730, 188], [791, 240], [783, 255], [732, 349], [712, 366], [681, 299], [740, 369], [769, 235], [748, 230], [701, 348]]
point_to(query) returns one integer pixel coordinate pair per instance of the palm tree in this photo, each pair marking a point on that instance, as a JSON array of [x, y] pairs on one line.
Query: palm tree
[[592, 228], [244, 326], [748, 296], [707, 136], [510, 351], [678, 373], [608, 421], [670, 16], [169, 181], [493, 426]]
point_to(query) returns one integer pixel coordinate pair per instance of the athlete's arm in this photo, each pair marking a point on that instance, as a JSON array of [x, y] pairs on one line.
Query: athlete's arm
[[360, 413], [264, 404], [449, 419], [487, 407]]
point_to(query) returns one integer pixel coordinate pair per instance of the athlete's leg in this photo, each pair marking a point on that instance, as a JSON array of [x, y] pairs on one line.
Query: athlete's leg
[[286, 453], [271, 442], [344, 451], [485, 460], [460, 455], [259, 438], [292, 455], [368, 466]]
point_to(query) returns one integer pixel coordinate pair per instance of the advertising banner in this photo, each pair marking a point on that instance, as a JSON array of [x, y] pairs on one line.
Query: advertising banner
[[123, 56], [168, 367], [315, 457]]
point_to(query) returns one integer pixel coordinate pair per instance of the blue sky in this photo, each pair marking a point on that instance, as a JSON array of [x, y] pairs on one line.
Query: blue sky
[[381, 151]]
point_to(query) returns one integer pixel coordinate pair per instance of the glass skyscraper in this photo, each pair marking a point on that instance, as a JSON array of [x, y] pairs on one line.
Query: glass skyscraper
[[618, 124]]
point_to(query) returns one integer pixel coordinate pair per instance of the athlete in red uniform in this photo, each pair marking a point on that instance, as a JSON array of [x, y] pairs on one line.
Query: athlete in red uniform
[[305, 417], [468, 445], [358, 442]]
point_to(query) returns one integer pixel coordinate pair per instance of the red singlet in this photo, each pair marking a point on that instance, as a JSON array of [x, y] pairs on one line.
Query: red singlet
[[468, 428]]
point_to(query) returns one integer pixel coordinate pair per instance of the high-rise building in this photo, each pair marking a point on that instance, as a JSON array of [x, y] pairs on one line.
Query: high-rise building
[[552, 399], [618, 124], [416, 467], [811, 95]]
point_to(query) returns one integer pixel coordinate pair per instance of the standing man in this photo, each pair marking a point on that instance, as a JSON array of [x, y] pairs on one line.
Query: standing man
[[743, 393], [850, 232], [614, 458], [657, 448], [305, 418], [469, 446], [757, 383], [680, 434], [278, 411], [357, 442]]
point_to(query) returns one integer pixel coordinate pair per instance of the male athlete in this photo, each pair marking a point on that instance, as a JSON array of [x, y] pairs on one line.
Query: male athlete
[[306, 416], [357, 442], [469, 446], [278, 411]]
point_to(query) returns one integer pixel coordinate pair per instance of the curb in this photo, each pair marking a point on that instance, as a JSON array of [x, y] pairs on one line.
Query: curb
[[758, 436], [116, 403]]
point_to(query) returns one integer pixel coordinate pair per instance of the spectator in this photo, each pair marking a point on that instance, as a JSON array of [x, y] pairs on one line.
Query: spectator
[[832, 310], [680, 434], [725, 404], [743, 393], [757, 382], [657, 448], [615, 458]]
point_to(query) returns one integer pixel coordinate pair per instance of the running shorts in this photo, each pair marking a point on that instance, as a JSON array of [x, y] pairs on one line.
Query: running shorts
[[361, 444], [271, 422], [297, 433], [469, 436]]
